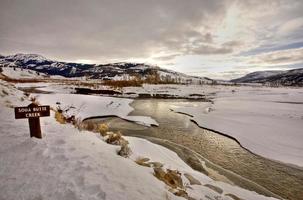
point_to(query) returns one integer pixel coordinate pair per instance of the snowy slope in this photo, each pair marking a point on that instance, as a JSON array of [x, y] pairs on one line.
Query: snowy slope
[[19, 73], [257, 75]]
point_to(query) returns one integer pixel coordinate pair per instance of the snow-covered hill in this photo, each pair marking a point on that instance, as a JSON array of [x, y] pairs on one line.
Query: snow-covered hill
[[111, 71], [275, 78]]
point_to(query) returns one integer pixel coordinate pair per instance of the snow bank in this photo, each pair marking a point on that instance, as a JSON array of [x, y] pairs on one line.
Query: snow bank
[[87, 106], [268, 122]]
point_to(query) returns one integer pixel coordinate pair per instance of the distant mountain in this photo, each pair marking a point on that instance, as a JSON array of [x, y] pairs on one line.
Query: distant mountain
[[111, 71], [292, 77]]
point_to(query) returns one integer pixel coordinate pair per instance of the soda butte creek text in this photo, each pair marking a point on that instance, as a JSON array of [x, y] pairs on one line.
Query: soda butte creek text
[[32, 112]]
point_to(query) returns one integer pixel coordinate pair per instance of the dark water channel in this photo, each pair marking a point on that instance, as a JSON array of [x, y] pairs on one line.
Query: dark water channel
[[224, 158]]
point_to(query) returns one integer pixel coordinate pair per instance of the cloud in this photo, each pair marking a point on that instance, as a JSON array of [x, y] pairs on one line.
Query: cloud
[[289, 56], [211, 35], [106, 29]]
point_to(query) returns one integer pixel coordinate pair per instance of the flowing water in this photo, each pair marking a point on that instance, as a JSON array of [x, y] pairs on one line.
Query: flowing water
[[224, 158]]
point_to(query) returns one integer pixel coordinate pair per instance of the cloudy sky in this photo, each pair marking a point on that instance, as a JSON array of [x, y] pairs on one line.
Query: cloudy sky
[[216, 38]]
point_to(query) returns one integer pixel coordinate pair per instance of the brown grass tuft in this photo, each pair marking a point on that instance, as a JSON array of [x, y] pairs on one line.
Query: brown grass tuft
[[102, 129], [171, 178], [116, 139], [60, 117]]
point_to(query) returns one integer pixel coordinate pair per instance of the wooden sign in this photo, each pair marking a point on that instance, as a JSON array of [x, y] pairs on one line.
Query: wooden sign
[[32, 112]]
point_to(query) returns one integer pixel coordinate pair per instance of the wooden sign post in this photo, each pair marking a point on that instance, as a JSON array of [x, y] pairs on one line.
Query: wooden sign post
[[33, 112]]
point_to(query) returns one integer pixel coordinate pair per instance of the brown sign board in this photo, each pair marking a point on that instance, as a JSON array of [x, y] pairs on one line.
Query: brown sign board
[[33, 112], [29, 112]]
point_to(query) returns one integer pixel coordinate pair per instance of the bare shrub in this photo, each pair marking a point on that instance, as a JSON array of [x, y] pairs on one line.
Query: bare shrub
[[123, 83]]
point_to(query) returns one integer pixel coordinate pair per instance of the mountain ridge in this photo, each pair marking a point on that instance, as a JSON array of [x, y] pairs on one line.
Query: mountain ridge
[[110, 71], [293, 77]]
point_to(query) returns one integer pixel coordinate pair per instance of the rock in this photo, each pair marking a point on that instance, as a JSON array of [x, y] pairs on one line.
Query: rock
[[125, 151], [181, 193], [143, 162], [233, 196], [192, 180], [173, 179]]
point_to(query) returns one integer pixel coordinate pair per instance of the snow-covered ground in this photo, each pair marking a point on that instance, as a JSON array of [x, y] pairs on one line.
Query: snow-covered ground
[[267, 121], [69, 164], [48, 87], [87, 106]]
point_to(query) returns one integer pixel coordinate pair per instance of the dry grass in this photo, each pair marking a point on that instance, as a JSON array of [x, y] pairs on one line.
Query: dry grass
[[90, 126], [116, 138], [123, 83], [103, 129], [60, 117], [171, 178]]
